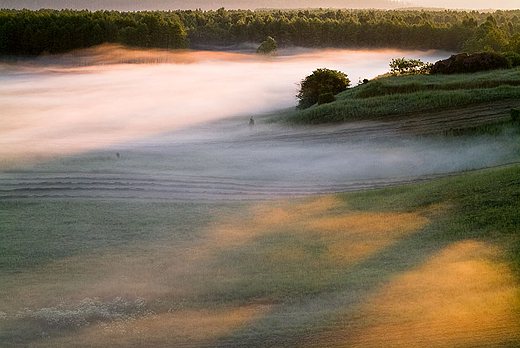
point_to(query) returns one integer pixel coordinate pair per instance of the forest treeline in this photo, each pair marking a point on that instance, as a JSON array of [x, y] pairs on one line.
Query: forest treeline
[[25, 32]]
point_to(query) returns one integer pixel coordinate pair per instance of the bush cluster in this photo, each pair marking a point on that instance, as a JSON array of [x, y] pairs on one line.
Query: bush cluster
[[513, 58], [325, 98], [403, 66], [469, 63]]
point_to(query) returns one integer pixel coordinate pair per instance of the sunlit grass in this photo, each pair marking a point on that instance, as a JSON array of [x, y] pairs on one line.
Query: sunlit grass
[[464, 296], [352, 237]]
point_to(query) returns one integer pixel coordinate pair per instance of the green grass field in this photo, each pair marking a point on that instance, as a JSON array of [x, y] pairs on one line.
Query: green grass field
[[429, 265], [396, 95]]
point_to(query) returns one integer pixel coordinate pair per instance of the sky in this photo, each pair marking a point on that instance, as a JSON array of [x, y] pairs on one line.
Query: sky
[[470, 4], [128, 5]]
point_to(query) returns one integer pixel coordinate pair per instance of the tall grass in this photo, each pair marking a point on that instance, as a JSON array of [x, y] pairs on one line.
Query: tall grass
[[377, 87], [349, 109], [415, 83]]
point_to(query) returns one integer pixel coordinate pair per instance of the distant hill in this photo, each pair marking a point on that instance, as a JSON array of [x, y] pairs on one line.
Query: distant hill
[[139, 5]]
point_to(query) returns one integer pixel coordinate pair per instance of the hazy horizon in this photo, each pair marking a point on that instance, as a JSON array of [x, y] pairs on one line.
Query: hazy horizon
[[135, 5]]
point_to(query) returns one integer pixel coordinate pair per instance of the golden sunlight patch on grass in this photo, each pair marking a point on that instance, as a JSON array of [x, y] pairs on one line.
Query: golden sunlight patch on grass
[[347, 236], [298, 244], [264, 218], [289, 212], [370, 223], [189, 328], [352, 237], [462, 297]]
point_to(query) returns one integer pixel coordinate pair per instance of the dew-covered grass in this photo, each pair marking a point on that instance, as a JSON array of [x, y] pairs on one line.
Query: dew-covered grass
[[427, 265]]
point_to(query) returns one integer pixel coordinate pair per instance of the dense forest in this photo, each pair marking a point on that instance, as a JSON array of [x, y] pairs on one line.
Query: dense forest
[[25, 32]]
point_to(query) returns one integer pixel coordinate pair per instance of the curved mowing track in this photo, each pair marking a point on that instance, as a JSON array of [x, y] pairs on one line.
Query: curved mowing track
[[125, 186]]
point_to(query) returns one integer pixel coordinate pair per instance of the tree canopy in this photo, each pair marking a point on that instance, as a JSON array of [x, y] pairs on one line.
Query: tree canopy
[[267, 47], [34, 32], [322, 82]]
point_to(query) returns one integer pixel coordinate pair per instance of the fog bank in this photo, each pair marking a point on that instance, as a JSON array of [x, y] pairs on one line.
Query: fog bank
[[93, 98]]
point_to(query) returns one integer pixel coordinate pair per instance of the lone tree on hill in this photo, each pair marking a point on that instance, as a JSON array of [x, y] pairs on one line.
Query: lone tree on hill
[[267, 47], [321, 82]]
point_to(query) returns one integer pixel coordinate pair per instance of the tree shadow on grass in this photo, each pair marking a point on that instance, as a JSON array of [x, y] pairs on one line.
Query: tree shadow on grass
[[294, 323]]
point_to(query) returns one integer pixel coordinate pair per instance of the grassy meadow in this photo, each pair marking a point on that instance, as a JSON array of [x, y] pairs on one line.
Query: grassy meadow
[[396, 95], [435, 264], [96, 252]]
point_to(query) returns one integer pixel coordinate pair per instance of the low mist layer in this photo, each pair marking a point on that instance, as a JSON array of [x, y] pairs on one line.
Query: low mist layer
[[229, 160], [91, 99]]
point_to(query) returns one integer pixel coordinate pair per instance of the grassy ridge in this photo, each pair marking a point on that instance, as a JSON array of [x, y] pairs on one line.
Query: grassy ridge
[[416, 83], [407, 94]]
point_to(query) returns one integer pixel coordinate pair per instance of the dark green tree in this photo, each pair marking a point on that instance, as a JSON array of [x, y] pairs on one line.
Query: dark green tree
[[321, 82], [267, 47], [514, 43], [488, 37]]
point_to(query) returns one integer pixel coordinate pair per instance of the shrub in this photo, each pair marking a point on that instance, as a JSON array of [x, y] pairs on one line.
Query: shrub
[[325, 98], [468, 63], [401, 66], [321, 81]]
